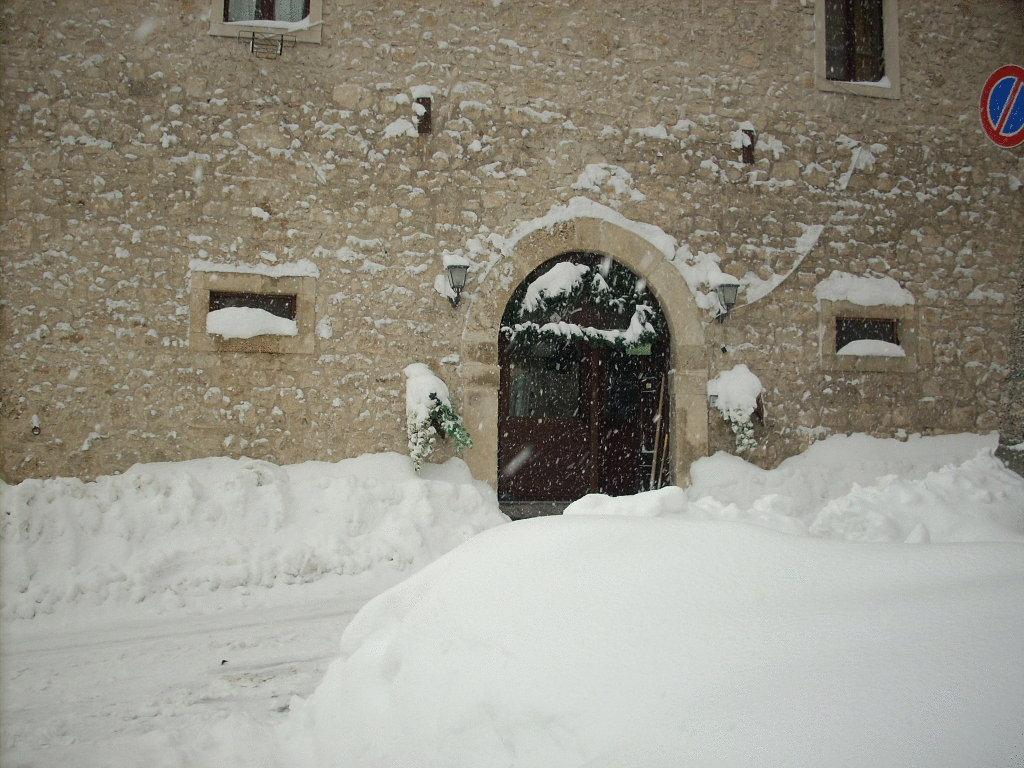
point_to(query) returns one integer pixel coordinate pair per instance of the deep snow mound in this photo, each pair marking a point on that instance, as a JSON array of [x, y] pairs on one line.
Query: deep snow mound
[[607, 641], [191, 527], [856, 488]]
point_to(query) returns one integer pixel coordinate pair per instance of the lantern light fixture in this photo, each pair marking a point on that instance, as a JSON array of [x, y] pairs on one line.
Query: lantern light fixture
[[457, 274], [726, 293]]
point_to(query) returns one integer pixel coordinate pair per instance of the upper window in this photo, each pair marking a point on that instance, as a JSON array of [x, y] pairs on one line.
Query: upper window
[[296, 20], [857, 47], [854, 49], [266, 10]]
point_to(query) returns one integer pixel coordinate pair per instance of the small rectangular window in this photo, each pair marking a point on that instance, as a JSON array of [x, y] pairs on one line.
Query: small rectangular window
[[854, 47], [855, 328], [423, 116], [280, 304], [546, 384], [750, 146], [266, 10]]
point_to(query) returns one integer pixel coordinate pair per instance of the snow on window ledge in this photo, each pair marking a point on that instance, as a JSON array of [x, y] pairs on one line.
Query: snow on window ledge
[[872, 348], [308, 30], [247, 323]]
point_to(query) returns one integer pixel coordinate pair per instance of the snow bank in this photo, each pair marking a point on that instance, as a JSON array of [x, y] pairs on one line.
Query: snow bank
[[872, 348], [247, 322], [572, 641], [178, 530], [856, 488], [863, 290]]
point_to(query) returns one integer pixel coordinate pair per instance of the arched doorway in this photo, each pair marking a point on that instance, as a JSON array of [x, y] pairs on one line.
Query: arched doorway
[[584, 400], [479, 371]]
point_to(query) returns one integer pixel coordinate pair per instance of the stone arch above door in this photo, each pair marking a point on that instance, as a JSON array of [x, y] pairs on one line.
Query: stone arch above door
[[479, 353]]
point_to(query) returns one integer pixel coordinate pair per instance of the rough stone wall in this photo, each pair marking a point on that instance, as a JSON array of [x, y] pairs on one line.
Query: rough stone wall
[[135, 141]]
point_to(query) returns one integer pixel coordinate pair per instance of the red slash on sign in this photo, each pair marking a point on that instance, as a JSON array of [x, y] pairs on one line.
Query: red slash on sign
[[1002, 106]]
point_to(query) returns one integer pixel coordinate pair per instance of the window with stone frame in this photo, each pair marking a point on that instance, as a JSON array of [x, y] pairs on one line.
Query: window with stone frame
[[857, 47], [841, 323], [854, 40], [292, 297], [266, 10]]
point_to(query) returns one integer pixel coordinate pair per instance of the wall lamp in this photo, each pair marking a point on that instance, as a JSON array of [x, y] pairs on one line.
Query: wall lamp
[[457, 274], [726, 293]]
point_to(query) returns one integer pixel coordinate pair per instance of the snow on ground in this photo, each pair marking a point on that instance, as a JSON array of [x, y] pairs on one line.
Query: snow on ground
[[654, 630], [613, 641], [165, 534], [856, 487], [93, 689]]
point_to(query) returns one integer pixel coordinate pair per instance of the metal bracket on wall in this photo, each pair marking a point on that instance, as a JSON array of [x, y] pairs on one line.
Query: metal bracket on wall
[[264, 45]]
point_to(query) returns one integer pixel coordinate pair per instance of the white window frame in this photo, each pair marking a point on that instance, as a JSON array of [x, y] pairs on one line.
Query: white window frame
[[220, 28], [891, 54]]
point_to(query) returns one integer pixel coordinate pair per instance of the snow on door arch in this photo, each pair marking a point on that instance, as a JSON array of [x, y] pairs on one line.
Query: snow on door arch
[[583, 403]]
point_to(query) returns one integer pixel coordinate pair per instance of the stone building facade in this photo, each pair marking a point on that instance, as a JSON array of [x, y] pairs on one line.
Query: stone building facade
[[148, 153]]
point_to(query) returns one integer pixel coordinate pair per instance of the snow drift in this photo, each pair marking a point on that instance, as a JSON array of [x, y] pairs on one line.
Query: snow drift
[[609, 641], [187, 528], [856, 487]]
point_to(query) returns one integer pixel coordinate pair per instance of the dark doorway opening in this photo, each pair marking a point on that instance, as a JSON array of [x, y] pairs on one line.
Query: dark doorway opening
[[577, 414]]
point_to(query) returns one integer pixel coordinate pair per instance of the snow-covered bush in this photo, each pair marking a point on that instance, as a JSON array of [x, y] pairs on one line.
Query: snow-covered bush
[[735, 394], [429, 413]]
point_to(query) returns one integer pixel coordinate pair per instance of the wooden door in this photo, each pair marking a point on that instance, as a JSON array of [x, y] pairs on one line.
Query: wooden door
[[544, 445], [627, 421], [578, 420]]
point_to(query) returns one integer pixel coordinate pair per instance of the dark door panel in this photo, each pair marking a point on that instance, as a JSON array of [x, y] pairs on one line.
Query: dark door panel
[[577, 417]]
